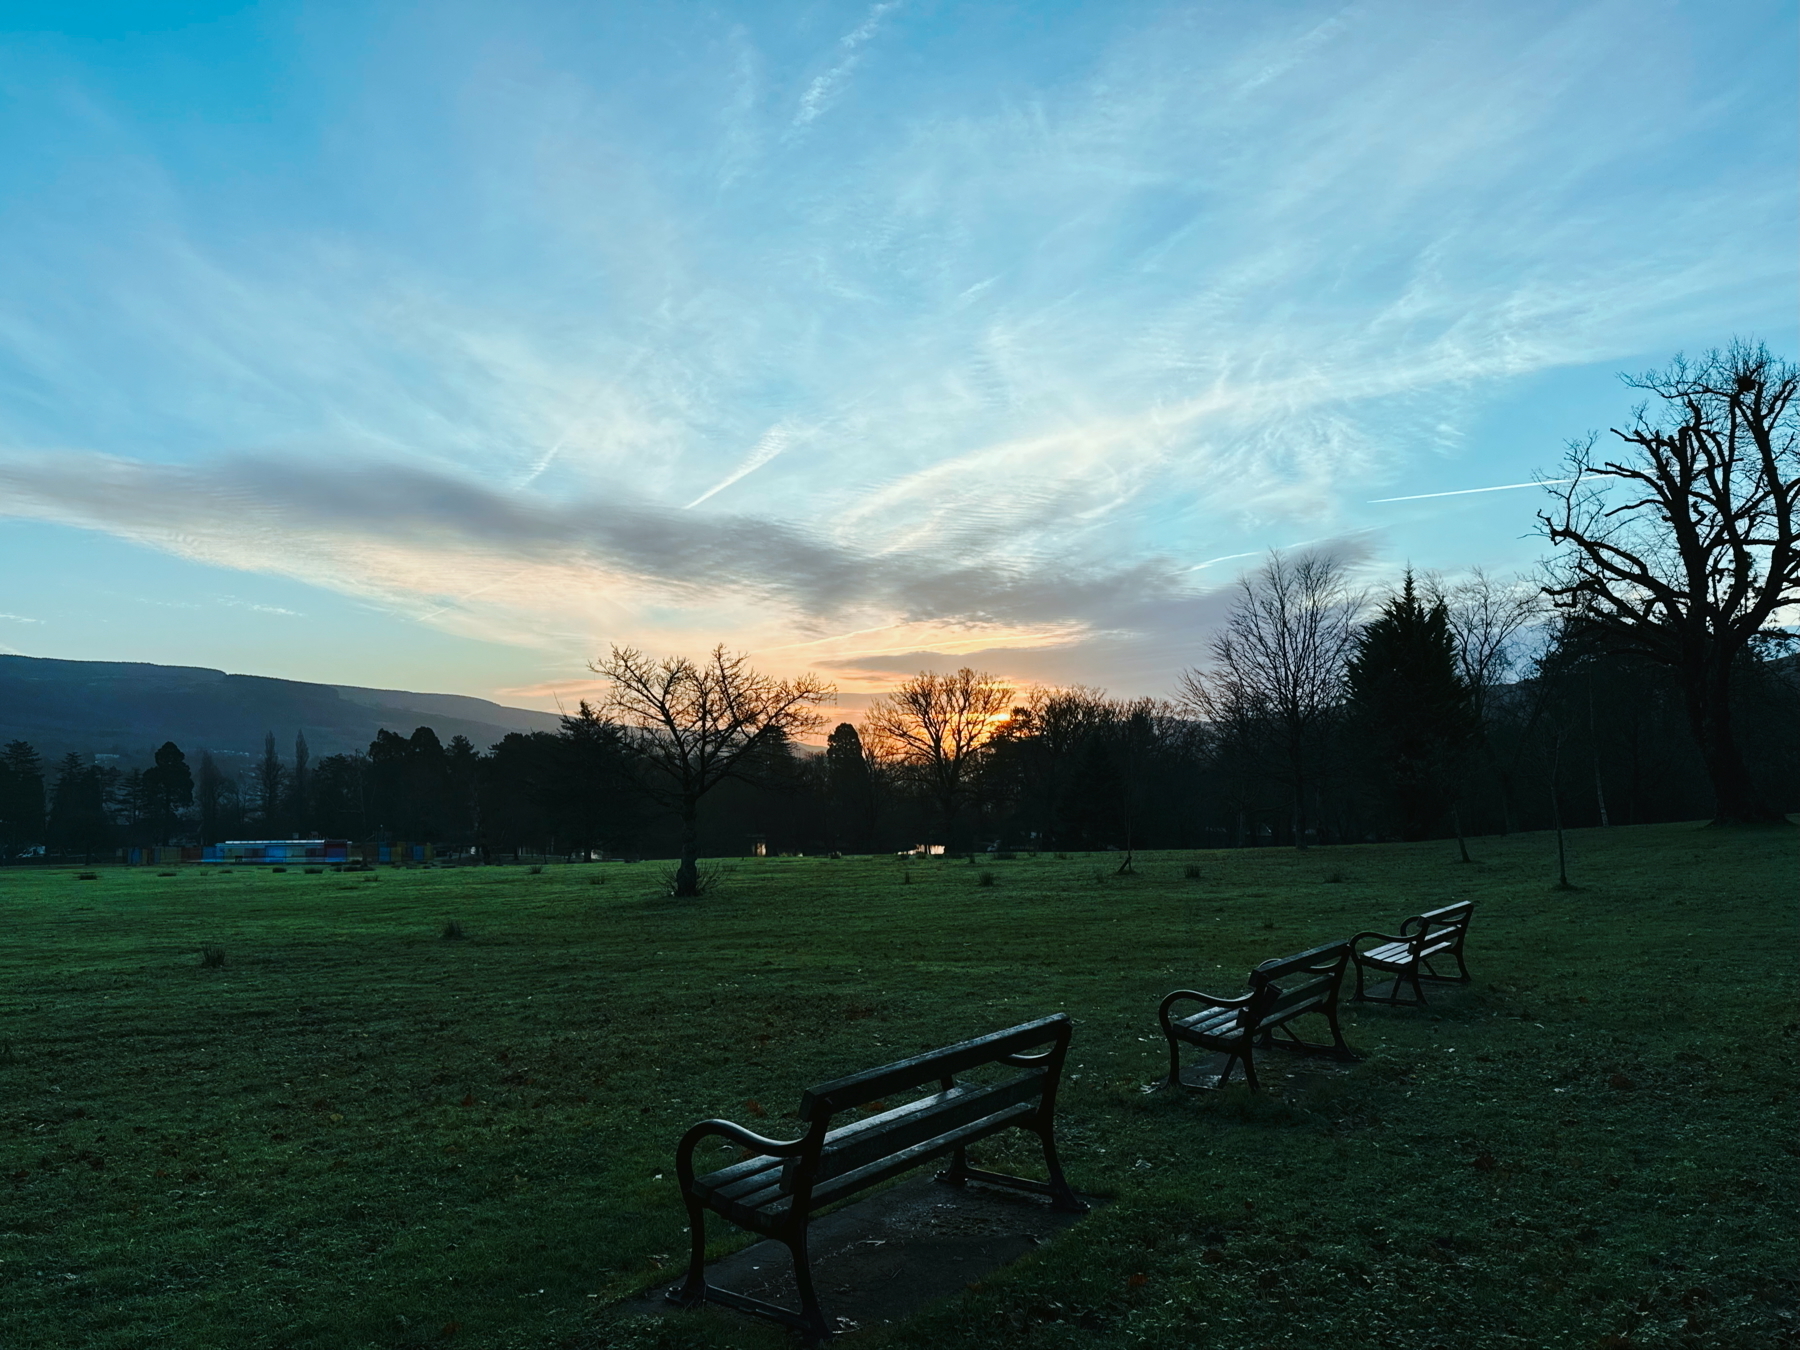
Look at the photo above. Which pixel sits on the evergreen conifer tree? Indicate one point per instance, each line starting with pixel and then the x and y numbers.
pixel 21 799
pixel 208 792
pixel 168 789
pixel 78 822
pixel 300 788
pixel 1414 710
pixel 850 790
pixel 271 779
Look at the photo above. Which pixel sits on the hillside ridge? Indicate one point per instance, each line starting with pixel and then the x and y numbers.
pixel 127 708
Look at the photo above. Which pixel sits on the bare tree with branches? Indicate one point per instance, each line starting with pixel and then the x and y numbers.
pixel 1488 618
pixel 934 725
pixel 693 724
pixel 1280 662
pixel 1684 549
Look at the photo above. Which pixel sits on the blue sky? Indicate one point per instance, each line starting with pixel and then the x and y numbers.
pixel 438 345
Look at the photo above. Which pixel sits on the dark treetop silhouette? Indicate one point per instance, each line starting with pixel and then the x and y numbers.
pixel 1683 549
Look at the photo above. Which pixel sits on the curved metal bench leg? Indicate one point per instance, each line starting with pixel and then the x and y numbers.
pixel 1392 998
pixel 1339 1044
pixel 1225 1073
pixel 1062 1195
pixel 815 1332
pixel 692 1292
pixel 1249 1071
pixel 957 1173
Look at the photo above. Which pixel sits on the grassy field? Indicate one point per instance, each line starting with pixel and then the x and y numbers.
pixel 358 1132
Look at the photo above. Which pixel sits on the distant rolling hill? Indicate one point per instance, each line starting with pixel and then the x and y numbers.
pixel 127 709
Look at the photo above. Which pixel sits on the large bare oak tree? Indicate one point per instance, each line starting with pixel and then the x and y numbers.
pixel 1488 617
pixel 1683 548
pixel 1279 663
pixel 693 724
pixel 934 726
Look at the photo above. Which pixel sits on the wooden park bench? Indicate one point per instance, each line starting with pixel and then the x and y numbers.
pixel 778 1189
pixel 1434 936
pixel 1281 991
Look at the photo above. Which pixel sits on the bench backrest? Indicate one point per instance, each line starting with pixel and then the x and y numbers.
pixel 915 1126
pixel 1008 1047
pixel 1446 924
pixel 1290 982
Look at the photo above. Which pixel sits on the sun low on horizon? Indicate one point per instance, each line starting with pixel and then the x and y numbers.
pixel 443 347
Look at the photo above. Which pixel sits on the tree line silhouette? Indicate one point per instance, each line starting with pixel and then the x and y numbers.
pixel 1617 688
pixel 1416 739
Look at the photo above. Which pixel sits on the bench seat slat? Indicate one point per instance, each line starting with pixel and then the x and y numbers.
pixel 851 1146
pixel 1400 953
pixel 752 1175
pixel 1388 954
pixel 724 1176
pixel 1293 1002
pixel 850 1182
pixel 757 1210
pixel 1212 1022
pixel 773 1200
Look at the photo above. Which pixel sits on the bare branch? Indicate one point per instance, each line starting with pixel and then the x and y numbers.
pixel 693 724
pixel 1279 661
pixel 1685 549
pixel 933 725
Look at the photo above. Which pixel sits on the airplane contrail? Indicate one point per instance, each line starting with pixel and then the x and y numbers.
pixel 1463 492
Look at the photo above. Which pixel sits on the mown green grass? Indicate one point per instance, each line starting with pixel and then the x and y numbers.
pixel 357 1132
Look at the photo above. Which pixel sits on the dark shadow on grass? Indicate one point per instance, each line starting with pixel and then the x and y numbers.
pixel 881 1259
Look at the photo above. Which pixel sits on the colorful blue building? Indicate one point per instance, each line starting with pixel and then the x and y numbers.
pixel 246 852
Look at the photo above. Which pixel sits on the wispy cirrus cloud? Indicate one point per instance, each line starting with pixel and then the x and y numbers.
pixel 575 335
pixel 825 88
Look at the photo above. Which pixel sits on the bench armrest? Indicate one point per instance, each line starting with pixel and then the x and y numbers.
pixel 1211 1001
pixel 684 1151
